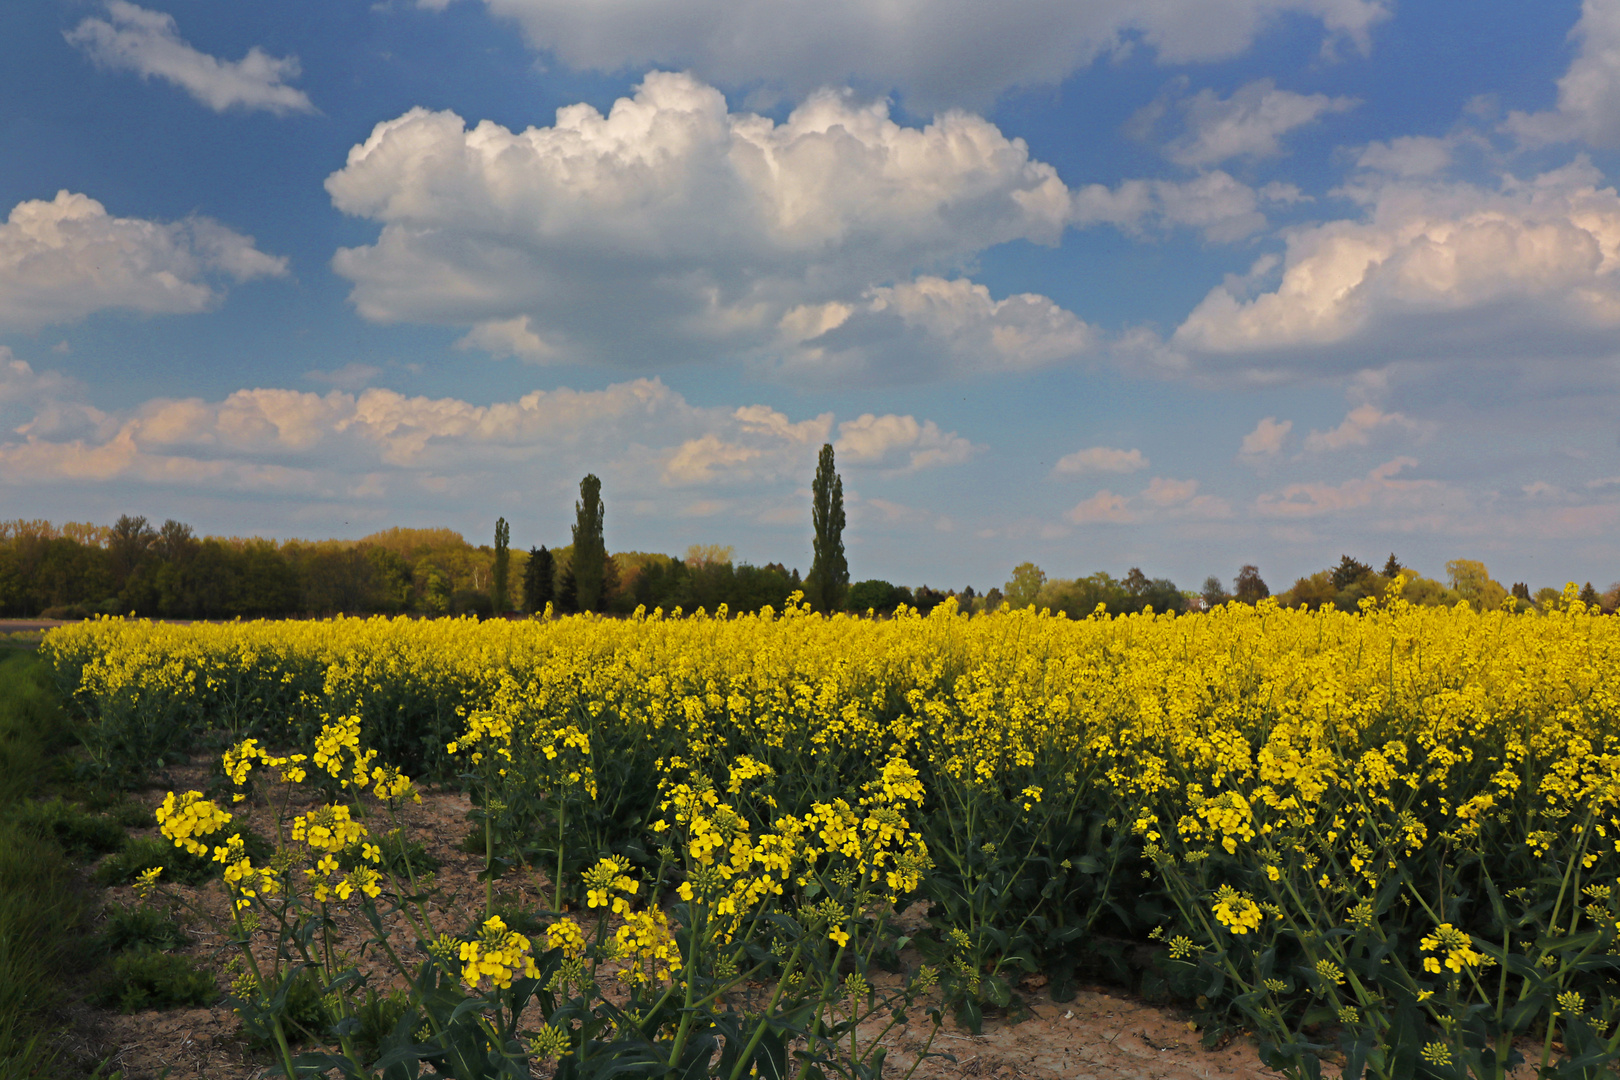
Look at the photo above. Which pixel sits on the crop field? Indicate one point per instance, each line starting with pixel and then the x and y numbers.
pixel 1388 840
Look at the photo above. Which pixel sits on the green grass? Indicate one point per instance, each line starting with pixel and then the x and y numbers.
pixel 42 906
pixel 81 835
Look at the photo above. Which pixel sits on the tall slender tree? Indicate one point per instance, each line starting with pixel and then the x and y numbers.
pixel 539 581
pixel 829 573
pixel 498 594
pixel 590 551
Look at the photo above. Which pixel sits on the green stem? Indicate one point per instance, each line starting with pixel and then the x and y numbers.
pixel 562 820
pixel 489 857
pixel 759 1032
pixel 691 982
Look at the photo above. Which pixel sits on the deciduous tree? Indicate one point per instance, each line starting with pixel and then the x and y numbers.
pixel 1249 587
pixel 1025 585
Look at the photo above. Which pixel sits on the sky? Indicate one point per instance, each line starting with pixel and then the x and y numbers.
pixel 1097 284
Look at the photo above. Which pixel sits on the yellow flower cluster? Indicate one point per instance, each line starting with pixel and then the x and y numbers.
pixel 608 877
pixel 1455 950
pixel 498 955
pixel 566 934
pixel 239 760
pixel 1236 911
pixel 184 818
pixel 336 739
pixel 328 828
pixel 646 947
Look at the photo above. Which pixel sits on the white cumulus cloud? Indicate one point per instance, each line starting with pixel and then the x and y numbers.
pixel 1249 124
pixel 133 38
pixel 937 52
pixel 1588 108
pixel 1105 459
pixel 1381 489
pixel 1222 207
pixel 1164 499
pixel 1435 269
pixel 63 259
pixel 673 229
pixel 925 328
pixel 1358 428
pixel 1266 440
pixel 1103 508
pixel 899 443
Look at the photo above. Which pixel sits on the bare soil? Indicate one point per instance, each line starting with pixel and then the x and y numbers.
pixel 1101 1032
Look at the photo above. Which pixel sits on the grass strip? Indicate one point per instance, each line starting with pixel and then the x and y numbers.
pixel 42 911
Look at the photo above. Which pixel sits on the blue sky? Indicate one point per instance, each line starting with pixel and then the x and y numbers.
pixel 1176 285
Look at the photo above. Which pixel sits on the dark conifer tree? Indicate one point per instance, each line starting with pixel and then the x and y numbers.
pixel 539 580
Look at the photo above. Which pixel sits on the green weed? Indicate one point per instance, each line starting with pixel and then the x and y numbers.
pixel 139 926
pixel 156 980
pixel 81 835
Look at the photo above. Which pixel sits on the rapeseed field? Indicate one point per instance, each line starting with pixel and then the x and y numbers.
pixel 1389 839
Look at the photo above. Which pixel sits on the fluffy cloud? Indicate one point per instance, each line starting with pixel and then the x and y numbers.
pixel 1221 207
pixel 508 337
pixel 1588 107
pixel 899 443
pixel 707 228
pixel 1103 508
pixel 1249 124
pixel 1163 499
pixel 1162 491
pixel 759 443
pixel 148 43
pixel 1532 264
pixel 1381 489
pixel 927 328
pixel 1358 427
pixel 1409 155
pixel 1266 440
pixel 63 259
pixel 659 454
pixel 1100 459
pixel 936 51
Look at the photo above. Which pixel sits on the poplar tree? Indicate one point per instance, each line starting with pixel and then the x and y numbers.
pixel 503 562
pixel 590 552
pixel 829 573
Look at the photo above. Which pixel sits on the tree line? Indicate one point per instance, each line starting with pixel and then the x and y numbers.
pixel 133 566
pixel 1344 586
